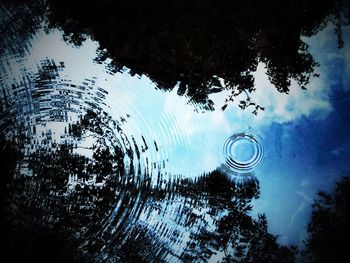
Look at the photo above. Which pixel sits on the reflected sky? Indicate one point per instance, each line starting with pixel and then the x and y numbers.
pixel 304 134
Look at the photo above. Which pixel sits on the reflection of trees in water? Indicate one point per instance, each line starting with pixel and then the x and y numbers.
pixel 19 21
pixel 45 205
pixel 240 237
pixel 197 43
pixel 329 228
pixel 45 211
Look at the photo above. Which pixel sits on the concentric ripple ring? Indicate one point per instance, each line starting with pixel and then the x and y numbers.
pixel 242 152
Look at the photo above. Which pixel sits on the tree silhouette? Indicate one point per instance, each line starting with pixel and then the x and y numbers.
pixel 60 205
pixel 241 237
pixel 196 44
pixel 67 223
pixel 329 229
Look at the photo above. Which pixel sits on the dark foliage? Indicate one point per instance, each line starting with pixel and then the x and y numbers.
pixel 241 237
pixel 46 222
pixel 49 219
pixel 19 242
pixel 196 43
pixel 329 229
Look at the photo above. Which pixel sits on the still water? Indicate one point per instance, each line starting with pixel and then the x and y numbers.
pixel 122 166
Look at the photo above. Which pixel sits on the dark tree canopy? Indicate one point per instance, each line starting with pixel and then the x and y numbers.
pixel 197 43
pixel 44 222
pixel 241 237
pixel 50 219
pixel 193 44
pixel 329 229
